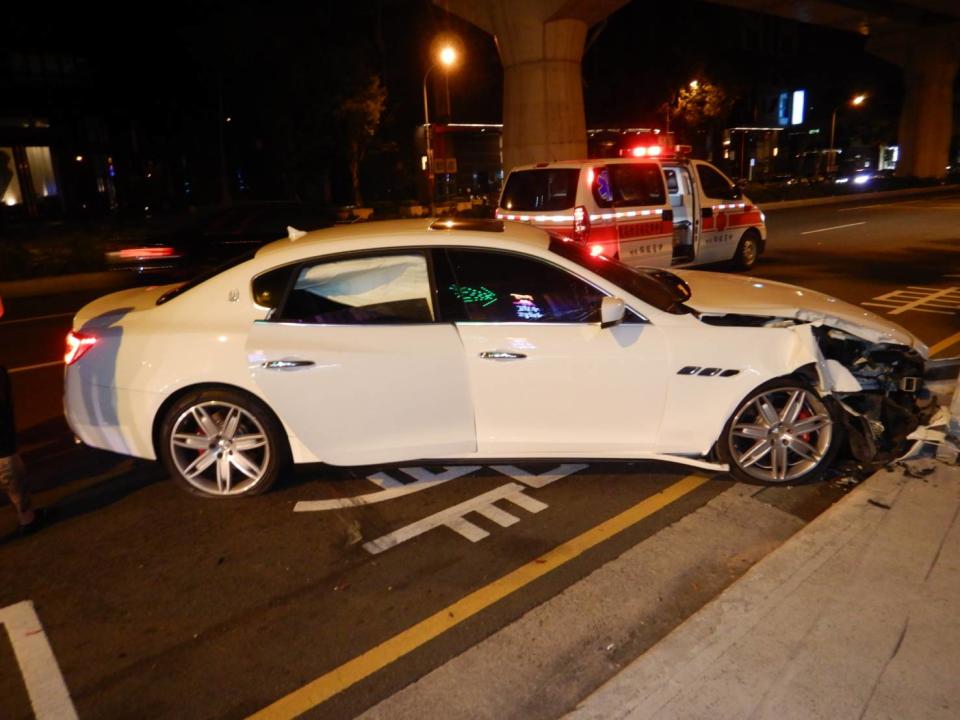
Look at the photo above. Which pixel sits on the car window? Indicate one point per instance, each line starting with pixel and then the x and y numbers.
pixel 714 184
pixel 637 184
pixel 541 189
pixel 602 192
pixel 490 286
pixel 362 291
pixel 269 287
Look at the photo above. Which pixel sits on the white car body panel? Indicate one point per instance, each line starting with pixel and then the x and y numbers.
pixel 557 398
pixel 381 393
pixel 401 393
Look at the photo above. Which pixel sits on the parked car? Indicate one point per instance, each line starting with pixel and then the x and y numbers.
pixel 216 236
pixel 474 340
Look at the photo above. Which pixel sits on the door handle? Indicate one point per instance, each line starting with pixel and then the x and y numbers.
pixel 501 355
pixel 287 364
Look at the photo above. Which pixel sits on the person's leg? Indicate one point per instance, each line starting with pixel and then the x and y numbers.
pixel 12 474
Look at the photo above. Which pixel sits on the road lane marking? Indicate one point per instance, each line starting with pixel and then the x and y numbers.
pixel 940 301
pixel 48 693
pixel 424 480
pixel 453 518
pixel 945 343
pixel 38 366
pixel 392 488
pixel 340 678
pixel 835 227
pixel 4 323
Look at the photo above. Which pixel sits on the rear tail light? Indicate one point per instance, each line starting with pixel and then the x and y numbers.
pixel 78 344
pixel 581 224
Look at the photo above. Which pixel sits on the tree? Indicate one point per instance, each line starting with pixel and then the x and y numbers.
pixel 697 104
pixel 359 117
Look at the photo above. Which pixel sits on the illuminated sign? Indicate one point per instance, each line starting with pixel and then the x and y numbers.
pixel 796 112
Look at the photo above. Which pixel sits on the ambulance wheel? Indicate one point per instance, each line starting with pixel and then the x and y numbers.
pixel 747 251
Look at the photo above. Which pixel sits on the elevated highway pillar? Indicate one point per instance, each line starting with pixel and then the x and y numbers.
pixel 930 59
pixel 541 44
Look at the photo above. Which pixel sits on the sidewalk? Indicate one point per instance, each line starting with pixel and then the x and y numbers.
pixel 856 616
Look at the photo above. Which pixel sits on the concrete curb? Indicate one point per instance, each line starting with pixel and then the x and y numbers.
pixel 857 197
pixel 810 627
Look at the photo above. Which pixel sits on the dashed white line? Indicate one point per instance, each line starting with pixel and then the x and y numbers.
pixel 48 692
pixel 835 227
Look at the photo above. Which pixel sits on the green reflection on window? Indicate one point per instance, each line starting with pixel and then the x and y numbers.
pixel 470 295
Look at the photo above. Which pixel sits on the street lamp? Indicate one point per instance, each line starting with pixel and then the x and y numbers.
pixel 446 57
pixel 855 101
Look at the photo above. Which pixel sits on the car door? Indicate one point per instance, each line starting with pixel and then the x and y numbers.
pixel 644 218
pixel 718 201
pixel 545 377
pixel 355 364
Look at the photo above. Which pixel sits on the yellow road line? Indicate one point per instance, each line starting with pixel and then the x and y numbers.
pixel 377 658
pixel 945 343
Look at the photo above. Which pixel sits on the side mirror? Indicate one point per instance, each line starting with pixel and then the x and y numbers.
pixel 612 310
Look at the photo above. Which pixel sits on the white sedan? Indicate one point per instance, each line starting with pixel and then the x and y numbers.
pixel 401 341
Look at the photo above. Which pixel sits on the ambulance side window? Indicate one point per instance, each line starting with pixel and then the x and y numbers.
pixel 602 192
pixel 714 184
pixel 637 184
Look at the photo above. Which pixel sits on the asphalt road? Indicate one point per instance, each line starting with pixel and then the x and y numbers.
pixel 159 604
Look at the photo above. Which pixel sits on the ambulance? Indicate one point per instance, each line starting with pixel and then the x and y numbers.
pixel 653 207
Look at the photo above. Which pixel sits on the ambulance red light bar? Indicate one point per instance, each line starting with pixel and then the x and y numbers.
pixel 646 151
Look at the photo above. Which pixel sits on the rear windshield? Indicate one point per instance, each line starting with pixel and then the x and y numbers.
pixel 203 277
pixel 541 189
pixel 660 288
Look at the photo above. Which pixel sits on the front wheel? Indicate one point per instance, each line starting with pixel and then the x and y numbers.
pixel 783 432
pixel 222 443
pixel 748 251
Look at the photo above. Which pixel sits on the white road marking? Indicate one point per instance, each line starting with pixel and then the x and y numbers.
pixel 4 323
pixel 835 227
pixel 423 480
pixel 38 366
pixel 939 301
pixel 453 518
pixel 538 481
pixel 48 692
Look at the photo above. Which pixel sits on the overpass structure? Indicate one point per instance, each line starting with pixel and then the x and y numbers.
pixel 541 44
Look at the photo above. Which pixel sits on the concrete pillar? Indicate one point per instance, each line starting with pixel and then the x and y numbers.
pixel 930 59
pixel 541 45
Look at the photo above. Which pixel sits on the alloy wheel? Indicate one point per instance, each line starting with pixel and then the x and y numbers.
pixel 781 435
pixel 219 448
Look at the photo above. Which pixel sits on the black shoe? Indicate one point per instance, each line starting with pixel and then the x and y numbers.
pixel 41 517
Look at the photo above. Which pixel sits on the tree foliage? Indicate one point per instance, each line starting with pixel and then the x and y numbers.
pixel 358 117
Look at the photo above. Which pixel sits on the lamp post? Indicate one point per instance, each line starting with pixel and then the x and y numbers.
pixel 447 57
pixel 855 101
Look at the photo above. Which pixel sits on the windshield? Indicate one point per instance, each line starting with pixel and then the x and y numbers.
pixel 540 190
pixel 659 288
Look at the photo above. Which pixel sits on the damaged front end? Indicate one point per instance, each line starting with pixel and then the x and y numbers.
pixel 879 387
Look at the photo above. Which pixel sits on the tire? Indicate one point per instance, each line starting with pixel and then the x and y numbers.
pixel 220 443
pixel 771 414
pixel 748 251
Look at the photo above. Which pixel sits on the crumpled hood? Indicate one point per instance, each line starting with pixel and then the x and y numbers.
pixel 106 310
pixel 720 294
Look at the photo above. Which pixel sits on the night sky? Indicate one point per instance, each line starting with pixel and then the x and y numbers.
pixel 161 72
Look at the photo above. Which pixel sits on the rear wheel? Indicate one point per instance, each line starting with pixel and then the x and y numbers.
pixel 783 432
pixel 222 443
pixel 748 251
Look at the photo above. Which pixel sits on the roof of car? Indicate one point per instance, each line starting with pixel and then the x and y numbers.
pixel 393 233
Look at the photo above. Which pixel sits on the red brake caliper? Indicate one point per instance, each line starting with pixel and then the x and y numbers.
pixel 804 414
